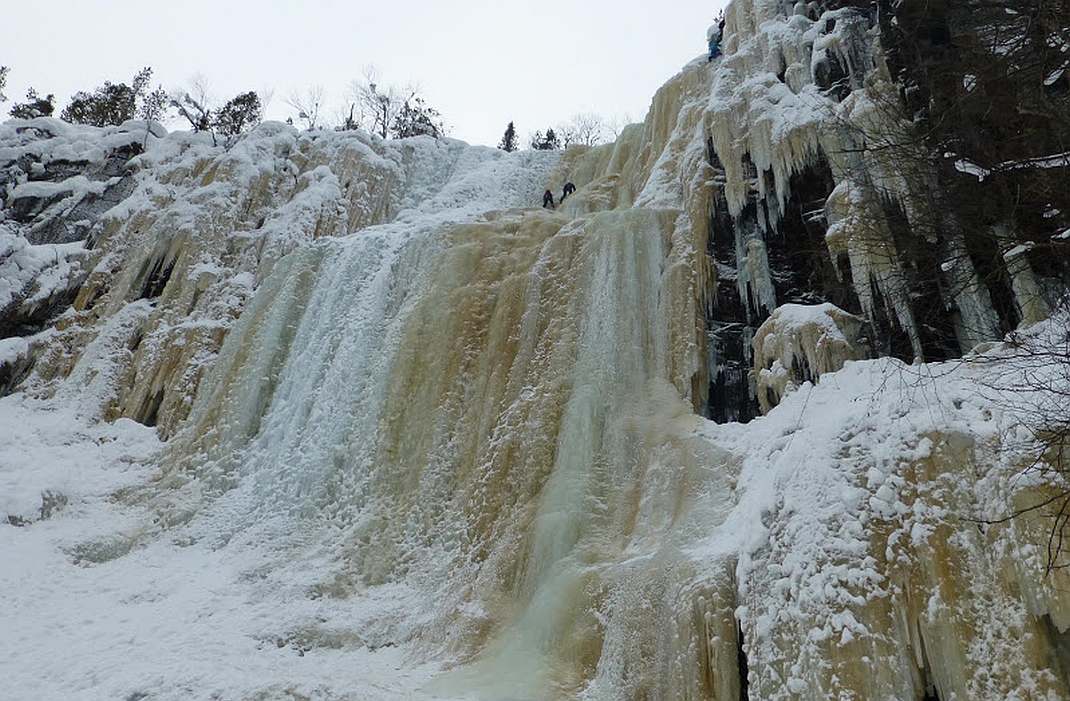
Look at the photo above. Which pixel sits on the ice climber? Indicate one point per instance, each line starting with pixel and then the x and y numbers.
pixel 569 189
pixel 548 200
pixel 713 36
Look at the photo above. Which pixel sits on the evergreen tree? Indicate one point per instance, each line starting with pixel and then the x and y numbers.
pixel 239 115
pixel 509 141
pixel 35 106
pixel 417 118
pixel 155 105
pixel 552 142
pixel 114 103
pixel 549 142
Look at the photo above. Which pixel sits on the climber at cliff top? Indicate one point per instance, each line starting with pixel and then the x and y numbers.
pixel 713 36
pixel 548 200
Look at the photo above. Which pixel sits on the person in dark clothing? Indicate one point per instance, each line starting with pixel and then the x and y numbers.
pixel 714 36
pixel 548 200
pixel 569 189
pixel 715 43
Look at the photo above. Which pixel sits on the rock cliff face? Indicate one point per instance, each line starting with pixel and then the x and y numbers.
pixel 517 436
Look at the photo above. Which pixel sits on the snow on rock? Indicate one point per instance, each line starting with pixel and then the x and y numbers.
pixel 35 280
pixel 15 363
pixel 855 575
pixel 799 344
pixel 58 178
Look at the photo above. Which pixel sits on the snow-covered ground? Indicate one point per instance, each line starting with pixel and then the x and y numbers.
pixel 170 620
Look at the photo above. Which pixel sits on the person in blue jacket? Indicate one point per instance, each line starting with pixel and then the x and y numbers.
pixel 713 36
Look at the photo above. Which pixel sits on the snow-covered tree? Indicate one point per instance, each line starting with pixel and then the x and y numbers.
pixel 193 104
pixel 4 70
pixel 417 118
pixel 509 142
pixel 35 106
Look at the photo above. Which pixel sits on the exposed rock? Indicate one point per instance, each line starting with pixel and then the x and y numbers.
pixel 58 178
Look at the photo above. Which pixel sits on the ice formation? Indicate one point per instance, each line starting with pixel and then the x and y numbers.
pixel 799 344
pixel 409 418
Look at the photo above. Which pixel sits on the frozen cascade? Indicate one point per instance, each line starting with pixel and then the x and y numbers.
pixel 415 487
pixel 427 416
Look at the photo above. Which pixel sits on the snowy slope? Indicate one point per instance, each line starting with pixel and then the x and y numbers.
pixel 172 620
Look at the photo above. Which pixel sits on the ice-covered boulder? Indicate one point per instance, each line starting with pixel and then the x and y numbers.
pixel 800 343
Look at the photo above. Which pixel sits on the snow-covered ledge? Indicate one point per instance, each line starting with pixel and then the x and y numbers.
pixel 800 343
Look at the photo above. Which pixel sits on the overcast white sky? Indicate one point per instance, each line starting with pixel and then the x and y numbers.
pixel 480 62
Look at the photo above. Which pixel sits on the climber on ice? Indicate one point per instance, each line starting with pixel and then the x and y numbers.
pixel 569 189
pixel 713 36
pixel 548 200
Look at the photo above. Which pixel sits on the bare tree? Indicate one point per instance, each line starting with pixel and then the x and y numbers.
pixel 308 105
pixel 353 113
pixel 615 125
pixel 584 129
pixel 266 95
pixel 1030 381
pixel 957 184
pixel 4 70
pixel 193 104
pixel 376 106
